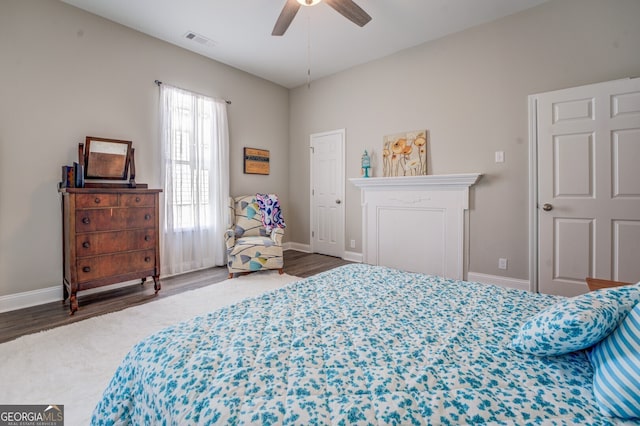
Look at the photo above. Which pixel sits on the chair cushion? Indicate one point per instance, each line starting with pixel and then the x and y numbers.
pixel 245 244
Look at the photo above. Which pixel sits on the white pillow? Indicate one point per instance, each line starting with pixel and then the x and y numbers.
pixel 616 365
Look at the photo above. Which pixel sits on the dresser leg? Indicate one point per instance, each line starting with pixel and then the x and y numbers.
pixel 73 304
pixel 156 283
pixel 144 280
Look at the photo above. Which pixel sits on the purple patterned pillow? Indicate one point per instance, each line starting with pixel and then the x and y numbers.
pixel 270 209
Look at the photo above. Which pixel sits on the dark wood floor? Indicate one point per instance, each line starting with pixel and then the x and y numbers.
pixel 42 317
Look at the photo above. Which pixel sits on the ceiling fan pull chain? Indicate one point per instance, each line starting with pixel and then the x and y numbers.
pixel 308 52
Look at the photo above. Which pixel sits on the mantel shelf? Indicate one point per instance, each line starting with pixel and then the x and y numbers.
pixel 463 180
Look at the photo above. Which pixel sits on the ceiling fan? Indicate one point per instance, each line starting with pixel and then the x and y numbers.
pixel 346 8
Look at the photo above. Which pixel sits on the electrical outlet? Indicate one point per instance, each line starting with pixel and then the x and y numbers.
pixel 502 263
pixel 353 243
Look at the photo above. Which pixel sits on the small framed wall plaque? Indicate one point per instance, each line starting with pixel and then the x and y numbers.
pixel 256 161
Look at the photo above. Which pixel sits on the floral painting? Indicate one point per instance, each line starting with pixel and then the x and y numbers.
pixel 405 154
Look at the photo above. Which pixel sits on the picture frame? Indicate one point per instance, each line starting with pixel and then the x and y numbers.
pixel 405 154
pixel 256 161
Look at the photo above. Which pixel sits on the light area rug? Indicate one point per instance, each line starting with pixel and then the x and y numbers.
pixel 73 364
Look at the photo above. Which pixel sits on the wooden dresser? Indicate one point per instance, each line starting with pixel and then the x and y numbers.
pixel 599 284
pixel 110 235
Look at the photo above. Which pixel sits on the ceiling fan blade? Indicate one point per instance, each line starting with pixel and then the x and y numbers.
pixel 350 10
pixel 286 16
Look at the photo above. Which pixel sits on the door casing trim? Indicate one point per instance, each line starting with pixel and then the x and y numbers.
pixel 533 192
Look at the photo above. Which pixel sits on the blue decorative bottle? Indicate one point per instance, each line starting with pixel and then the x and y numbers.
pixel 366 164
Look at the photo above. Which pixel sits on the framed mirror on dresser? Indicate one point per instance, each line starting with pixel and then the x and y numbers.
pixel 110 224
pixel 106 158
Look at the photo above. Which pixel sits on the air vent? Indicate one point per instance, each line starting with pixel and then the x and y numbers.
pixel 190 35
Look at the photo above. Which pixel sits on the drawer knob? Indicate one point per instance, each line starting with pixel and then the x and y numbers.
pixel 86 269
pixel 86 220
pixel 86 244
pixel 137 199
pixel 147 216
pixel 147 238
pixel 147 259
pixel 97 200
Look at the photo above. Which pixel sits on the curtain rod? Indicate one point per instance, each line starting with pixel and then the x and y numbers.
pixel 158 82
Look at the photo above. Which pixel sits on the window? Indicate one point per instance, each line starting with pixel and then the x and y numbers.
pixel 189 159
pixel 195 174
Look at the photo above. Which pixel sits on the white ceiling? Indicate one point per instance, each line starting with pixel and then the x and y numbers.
pixel 318 39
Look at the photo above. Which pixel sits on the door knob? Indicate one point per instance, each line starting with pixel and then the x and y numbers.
pixel 547 207
pixel 338 201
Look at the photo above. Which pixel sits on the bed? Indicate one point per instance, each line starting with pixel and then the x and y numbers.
pixel 356 345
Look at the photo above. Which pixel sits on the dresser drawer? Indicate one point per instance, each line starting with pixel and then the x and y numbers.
pixel 92 268
pixel 92 244
pixel 137 200
pixel 84 201
pixel 90 220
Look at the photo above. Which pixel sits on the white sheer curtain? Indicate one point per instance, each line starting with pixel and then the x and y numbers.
pixel 195 171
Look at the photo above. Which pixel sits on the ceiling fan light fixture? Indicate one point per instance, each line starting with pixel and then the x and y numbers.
pixel 309 2
pixel 347 8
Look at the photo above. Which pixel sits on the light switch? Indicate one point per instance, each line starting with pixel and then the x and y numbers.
pixel 499 156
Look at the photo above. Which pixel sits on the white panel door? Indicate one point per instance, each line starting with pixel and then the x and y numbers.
pixel 327 193
pixel 588 185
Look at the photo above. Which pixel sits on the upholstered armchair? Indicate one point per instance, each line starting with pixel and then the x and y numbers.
pixel 252 246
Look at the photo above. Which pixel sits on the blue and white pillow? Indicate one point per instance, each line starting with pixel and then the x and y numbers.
pixel 628 296
pixel 616 365
pixel 571 325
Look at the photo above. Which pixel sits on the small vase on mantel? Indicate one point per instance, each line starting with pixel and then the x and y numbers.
pixel 366 164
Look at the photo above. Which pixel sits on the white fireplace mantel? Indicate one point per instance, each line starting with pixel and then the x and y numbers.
pixel 462 180
pixel 416 223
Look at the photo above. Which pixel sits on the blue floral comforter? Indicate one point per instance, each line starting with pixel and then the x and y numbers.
pixel 355 345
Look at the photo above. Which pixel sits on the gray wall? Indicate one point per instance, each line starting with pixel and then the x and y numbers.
pixel 67 74
pixel 470 91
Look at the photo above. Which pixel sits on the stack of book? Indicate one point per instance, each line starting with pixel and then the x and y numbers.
pixel 72 176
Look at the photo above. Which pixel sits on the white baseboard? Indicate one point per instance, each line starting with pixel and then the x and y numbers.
pixel 305 248
pixel 352 256
pixel 497 280
pixel 28 299
pixel 12 302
